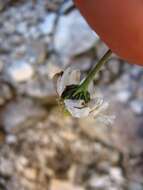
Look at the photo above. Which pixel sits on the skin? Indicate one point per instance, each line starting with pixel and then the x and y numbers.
pixel 118 23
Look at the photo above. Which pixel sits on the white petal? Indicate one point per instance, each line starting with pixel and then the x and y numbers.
pixel 60 88
pixel 76 108
pixel 62 81
pixel 69 77
pixel 100 109
pixel 74 77
pixel 91 90
pixel 75 103
pixel 95 103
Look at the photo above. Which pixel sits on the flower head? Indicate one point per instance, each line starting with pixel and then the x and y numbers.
pixel 78 101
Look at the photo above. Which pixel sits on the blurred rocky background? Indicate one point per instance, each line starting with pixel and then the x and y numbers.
pixel 41 148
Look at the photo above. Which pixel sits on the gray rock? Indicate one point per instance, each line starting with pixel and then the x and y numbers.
pixel 135 186
pixel 11 139
pixel 5 93
pixel 116 175
pixel 66 185
pixel 47 26
pixel 22 28
pixel 114 66
pixel 99 182
pixel 124 96
pixel 33 32
pixel 9 27
pixel 21 114
pixel 6 167
pixel 42 90
pixel 136 72
pixel 20 71
pixel 36 52
pixel 137 106
pixel 105 182
pixel 73 35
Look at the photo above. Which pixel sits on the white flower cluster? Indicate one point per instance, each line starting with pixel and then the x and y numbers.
pixel 96 107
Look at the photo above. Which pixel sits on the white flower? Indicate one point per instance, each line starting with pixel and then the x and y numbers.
pixel 96 107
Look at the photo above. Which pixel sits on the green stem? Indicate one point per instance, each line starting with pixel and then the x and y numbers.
pixel 95 70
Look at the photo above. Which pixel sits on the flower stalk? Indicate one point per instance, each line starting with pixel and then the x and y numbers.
pixel 80 92
pixel 94 71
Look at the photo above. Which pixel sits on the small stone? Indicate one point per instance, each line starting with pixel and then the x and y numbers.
pixel 137 106
pixel 136 72
pixel 22 162
pixel 6 167
pixel 135 186
pixel 33 32
pixel 22 28
pixel 5 94
pixel 63 185
pixel 72 173
pixel 99 182
pixel 114 66
pixel 20 71
pixel 30 173
pixel 36 52
pixel 47 26
pixel 9 27
pixel 11 139
pixel 124 96
pixel 116 175
pixel 68 136
pixel 103 166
